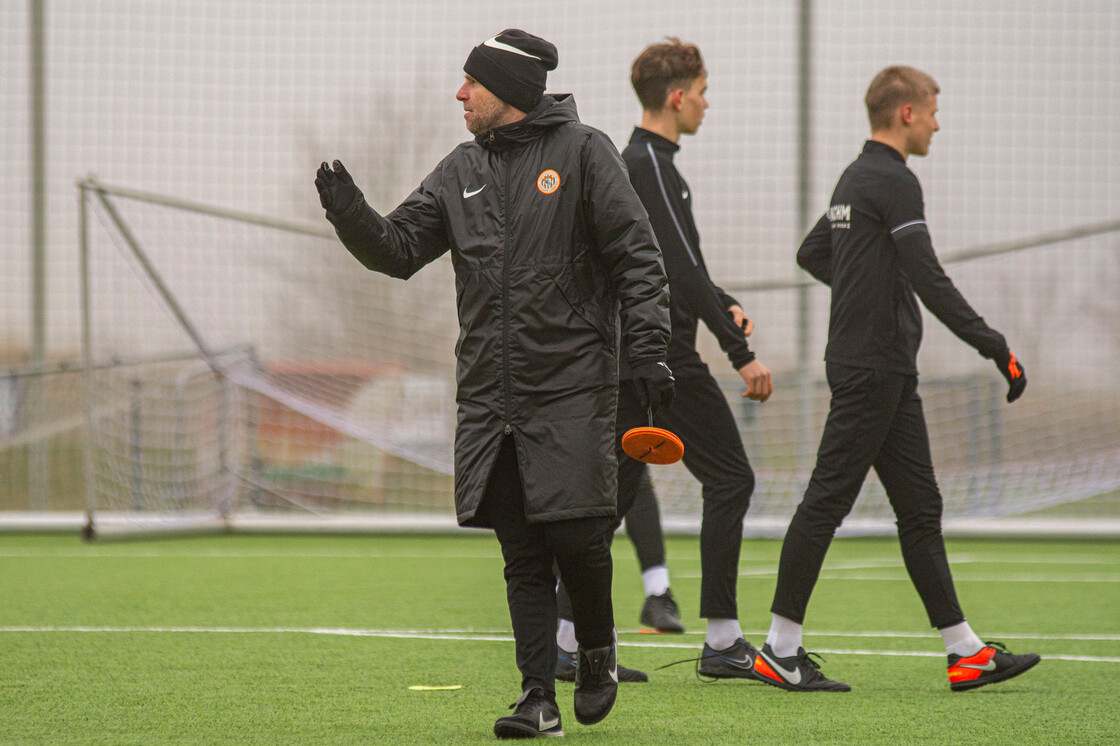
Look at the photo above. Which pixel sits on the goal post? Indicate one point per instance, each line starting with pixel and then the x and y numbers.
pixel 318 396
pixel 309 403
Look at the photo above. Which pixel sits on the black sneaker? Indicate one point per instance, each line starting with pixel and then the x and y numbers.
pixel 566 669
pixel 993 663
pixel 661 614
pixel 596 683
pixel 734 662
pixel 535 715
pixel 797 673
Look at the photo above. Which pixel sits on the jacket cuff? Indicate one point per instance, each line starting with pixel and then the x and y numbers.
pixel 349 212
pixel 647 361
pixel 742 359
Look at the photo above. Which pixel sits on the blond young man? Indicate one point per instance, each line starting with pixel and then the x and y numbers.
pixel 873 249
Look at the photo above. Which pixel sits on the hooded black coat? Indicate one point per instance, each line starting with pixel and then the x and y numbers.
pixel 551 247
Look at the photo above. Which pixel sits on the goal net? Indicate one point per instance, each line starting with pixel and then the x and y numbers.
pixel 265 374
pixel 247 373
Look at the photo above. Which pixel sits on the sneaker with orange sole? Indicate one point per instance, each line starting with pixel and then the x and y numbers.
pixel 797 673
pixel 993 663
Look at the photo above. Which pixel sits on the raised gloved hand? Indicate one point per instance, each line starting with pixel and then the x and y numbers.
pixel 654 382
pixel 337 191
pixel 1016 377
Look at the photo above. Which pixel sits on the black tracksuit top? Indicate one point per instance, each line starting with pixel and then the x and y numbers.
pixel 668 200
pixel 873 248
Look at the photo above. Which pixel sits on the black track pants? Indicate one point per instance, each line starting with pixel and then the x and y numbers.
pixel 875 420
pixel 713 452
pixel 643 526
pixel 580 548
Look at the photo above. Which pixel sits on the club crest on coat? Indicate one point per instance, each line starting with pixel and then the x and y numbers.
pixel 548 182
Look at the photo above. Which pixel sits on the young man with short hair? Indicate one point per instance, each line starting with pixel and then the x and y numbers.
pixel 670 81
pixel 553 254
pixel 873 249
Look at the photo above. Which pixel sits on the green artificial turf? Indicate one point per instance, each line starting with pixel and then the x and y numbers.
pixel 315 640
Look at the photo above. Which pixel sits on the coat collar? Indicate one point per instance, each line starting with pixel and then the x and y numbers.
pixel 552 111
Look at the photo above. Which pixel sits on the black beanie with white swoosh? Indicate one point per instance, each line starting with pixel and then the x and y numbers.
pixel 513 66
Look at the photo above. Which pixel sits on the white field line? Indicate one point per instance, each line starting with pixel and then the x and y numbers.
pixel 769 564
pixel 761 634
pixel 836 571
pixel 504 634
pixel 9 553
pixel 466 636
pixel 974 578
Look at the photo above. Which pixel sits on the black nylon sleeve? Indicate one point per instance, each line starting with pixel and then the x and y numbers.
pixel 629 250
pixel 402 242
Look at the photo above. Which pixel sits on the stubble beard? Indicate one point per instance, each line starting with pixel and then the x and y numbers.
pixel 483 121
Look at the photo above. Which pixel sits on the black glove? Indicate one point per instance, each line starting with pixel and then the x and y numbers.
pixel 336 189
pixel 1012 370
pixel 654 382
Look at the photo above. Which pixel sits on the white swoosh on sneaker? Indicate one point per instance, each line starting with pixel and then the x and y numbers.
pixel 792 677
pixel 468 195
pixel 614 673
pixel 546 724
pixel 989 666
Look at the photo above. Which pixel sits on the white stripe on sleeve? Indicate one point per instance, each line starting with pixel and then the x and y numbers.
pixel 907 225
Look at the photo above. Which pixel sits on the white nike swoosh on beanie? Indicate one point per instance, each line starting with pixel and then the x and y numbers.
pixel 495 44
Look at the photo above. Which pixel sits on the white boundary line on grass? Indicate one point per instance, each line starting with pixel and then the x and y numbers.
pixel 501 634
pixel 826 575
pixel 768 569
pixel 470 637
pixel 839 571
pixel 125 554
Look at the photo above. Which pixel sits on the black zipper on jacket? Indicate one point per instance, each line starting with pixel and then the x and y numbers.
pixel 506 243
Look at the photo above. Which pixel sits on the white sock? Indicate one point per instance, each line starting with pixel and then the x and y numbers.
pixel 656 580
pixel 784 637
pixel 961 640
pixel 566 636
pixel 722 633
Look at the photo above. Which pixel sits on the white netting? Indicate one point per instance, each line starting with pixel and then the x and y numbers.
pixel 336 392
pixel 235 104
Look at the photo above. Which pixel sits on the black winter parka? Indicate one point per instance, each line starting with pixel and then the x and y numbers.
pixel 551 247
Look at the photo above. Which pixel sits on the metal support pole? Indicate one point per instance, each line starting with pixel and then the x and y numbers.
pixel 154 277
pixel 89 442
pixel 36 400
pixel 136 439
pixel 226 501
pixel 804 175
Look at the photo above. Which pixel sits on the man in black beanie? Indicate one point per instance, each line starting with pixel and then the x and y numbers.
pixel 553 252
pixel 513 66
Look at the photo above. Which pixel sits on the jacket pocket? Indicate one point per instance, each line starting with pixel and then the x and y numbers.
pixel 584 302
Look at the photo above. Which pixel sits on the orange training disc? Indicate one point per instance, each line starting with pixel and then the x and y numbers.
pixel 652 445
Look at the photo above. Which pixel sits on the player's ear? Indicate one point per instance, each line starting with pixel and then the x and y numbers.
pixel 675 98
pixel 906 113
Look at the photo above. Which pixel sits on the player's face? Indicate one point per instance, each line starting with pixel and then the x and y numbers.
pixel 923 124
pixel 693 105
pixel 483 111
